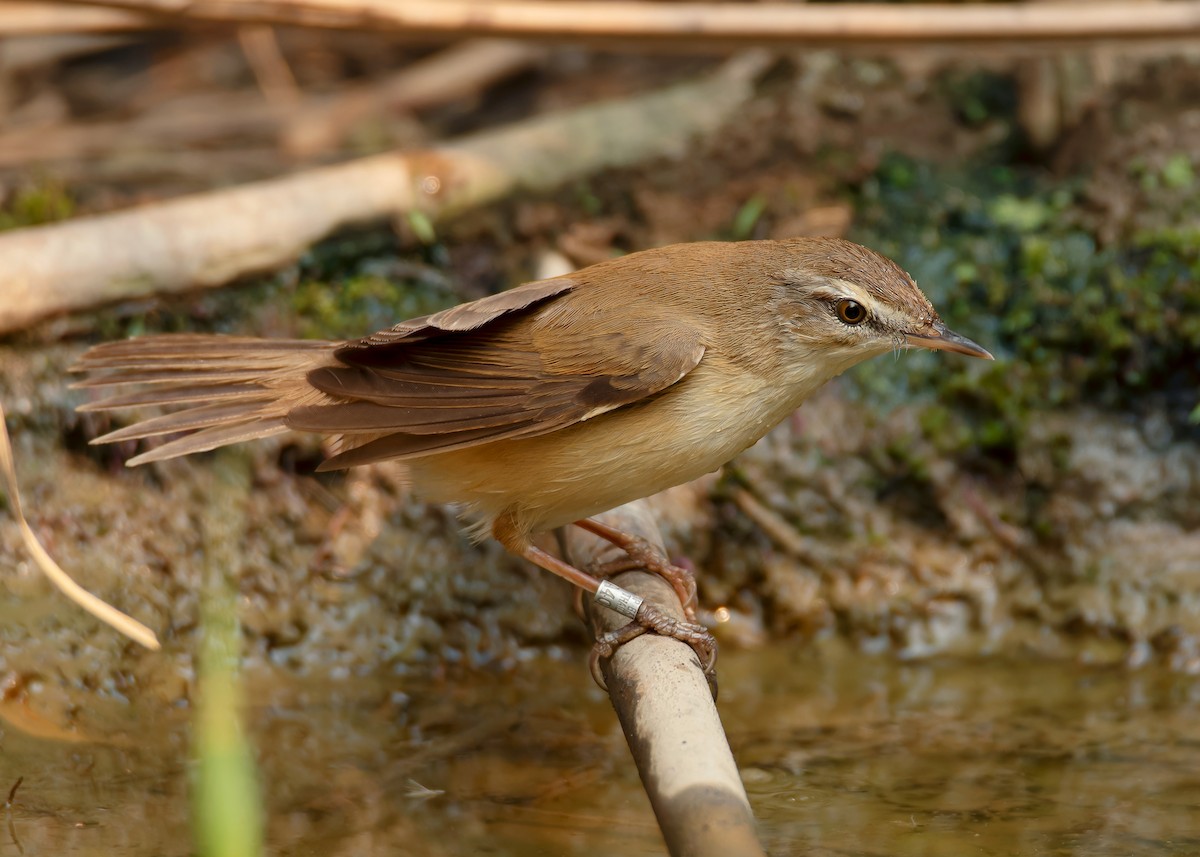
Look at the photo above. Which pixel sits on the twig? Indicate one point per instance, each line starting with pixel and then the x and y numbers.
pixel 311 126
pixel 459 71
pixel 211 238
pixel 48 19
pixel 261 48
pixel 12 832
pixel 12 793
pixel 739 23
pixel 1015 540
pixel 772 523
pixel 99 608
pixel 668 715
pixel 188 121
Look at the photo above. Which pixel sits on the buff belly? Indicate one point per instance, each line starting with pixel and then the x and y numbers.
pixel 591 467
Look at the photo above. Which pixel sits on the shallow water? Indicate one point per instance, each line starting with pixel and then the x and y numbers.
pixel 843 754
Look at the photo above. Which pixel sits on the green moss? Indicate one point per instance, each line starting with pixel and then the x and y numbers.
pixel 343 288
pixel 979 96
pixel 35 204
pixel 1177 173
pixel 359 304
pixel 1007 263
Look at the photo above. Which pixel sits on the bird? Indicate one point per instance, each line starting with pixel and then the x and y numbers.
pixel 547 404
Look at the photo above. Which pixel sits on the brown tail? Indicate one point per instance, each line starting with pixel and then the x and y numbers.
pixel 233 388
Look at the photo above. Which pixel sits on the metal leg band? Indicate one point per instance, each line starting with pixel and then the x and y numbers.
pixel 621 600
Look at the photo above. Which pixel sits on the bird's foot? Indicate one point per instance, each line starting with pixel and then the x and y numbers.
pixel 645 616
pixel 651 618
pixel 642 555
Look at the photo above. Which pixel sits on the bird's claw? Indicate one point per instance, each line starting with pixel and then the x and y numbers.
pixel 651 618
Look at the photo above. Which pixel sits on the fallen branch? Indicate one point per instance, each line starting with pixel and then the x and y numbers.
pixel 711 23
pixel 212 238
pixel 668 714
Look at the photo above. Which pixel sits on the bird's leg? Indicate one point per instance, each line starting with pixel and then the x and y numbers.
pixel 644 616
pixel 640 554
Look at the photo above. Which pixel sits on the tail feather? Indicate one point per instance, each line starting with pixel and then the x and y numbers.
pixel 171 376
pixel 142 348
pixel 211 438
pixel 173 396
pixel 232 388
pixel 191 419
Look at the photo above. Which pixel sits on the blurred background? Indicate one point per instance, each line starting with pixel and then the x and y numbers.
pixel 959 603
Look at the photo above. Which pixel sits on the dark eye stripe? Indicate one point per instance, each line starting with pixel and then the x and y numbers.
pixel 851 312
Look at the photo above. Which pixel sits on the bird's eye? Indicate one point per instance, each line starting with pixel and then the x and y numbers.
pixel 851 312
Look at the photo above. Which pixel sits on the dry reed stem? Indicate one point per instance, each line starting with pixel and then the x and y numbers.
pixel 758 23
pixel 99 608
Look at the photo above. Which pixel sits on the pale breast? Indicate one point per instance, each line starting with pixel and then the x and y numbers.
pixel 688 430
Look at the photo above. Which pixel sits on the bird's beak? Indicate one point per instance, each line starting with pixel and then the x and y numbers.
pixel 938 337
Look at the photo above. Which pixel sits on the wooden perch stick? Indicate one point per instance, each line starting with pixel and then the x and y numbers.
pixel 668 715
pixel 212 238
pixel 759 23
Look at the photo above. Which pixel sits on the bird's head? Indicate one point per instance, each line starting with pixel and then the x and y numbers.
pixel 841 303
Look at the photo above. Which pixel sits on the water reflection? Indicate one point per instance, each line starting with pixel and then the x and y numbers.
pixel 843 754
pixel 987 757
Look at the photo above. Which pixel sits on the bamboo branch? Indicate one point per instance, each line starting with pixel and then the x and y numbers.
pixel 770 23
pixel 668 714
pixel 212 238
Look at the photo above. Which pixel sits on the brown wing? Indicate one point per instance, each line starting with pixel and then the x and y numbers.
pixel 526 362
pixel 462 317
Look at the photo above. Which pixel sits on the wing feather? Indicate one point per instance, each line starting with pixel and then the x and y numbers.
pixel 456 319
pixel 520 374
pixel 529 361
pixel 399 446
pixel 177 396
